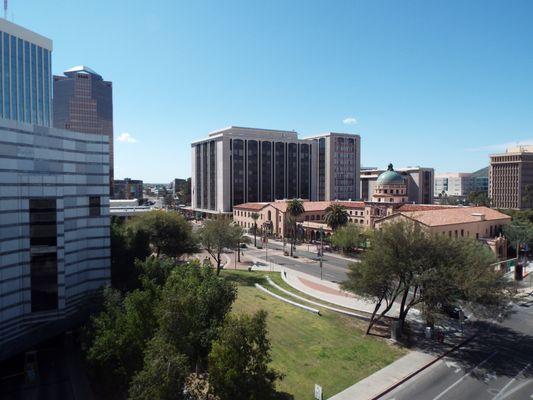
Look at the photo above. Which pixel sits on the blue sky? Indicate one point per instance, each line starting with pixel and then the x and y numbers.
pixel 434 83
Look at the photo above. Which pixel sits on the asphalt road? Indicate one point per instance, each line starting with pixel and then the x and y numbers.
pixel 333 269
pixel 497 365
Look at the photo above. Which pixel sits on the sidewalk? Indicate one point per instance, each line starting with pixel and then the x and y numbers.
pixel 330 292
pixel 379 381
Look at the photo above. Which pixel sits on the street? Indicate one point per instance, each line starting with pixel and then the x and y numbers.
pixel 497 365
pixel 333 269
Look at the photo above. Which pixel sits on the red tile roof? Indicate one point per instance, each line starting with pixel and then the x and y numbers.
pixel 310 206
pixel 251 206
pixel 422 207
pixel 456 215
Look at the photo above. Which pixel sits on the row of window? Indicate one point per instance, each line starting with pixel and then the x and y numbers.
pixel 25 84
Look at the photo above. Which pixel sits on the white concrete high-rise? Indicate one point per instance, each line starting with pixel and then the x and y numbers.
pixel 54 203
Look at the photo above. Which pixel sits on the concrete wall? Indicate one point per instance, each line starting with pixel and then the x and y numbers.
pixel 38 162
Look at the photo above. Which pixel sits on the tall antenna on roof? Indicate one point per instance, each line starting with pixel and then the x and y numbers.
pixel 5 9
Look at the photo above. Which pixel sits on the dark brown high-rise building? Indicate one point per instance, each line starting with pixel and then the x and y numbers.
pixel 83 102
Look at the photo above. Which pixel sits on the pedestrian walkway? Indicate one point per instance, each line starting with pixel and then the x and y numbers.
pixel 381 380
pixel 330 292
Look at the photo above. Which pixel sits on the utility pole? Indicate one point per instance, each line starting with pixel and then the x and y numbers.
pixel 321 250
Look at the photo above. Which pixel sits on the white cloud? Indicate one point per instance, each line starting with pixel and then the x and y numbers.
pixel 349 121
pixel 500 147
pixel 126 138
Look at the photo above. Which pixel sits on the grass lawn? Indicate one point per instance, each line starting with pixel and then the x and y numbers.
pixel 330 350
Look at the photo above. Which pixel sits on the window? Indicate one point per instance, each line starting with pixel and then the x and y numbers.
pixel 94 206
pixel 43 254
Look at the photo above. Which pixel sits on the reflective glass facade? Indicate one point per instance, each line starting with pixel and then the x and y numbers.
pixel 25 81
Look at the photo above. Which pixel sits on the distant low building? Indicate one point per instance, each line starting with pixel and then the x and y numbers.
pixel 128 189
pixel 461 184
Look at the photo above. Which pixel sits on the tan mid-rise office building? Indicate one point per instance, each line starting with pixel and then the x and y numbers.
pixel 510 174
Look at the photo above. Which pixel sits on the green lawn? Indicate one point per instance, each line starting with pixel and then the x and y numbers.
pixel 330 350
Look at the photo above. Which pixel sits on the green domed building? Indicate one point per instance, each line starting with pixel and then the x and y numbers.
pixel 391 187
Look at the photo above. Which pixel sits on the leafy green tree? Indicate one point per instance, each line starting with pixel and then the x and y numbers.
pixel 193 305
pixel 197 387
pixel 479 199
pixel 519 232
pixel 156 270
pixel 169 233
pixel 408 265
pixel 255 217
pixel 527 198
pixel 348 237
pixel 126 247
pixel 239 360
pixel 336 216
pixel 116 337
pixel 220 234
pixel 295 208
pixel 163 374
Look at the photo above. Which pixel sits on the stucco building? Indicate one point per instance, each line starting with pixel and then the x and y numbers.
pixel 389 204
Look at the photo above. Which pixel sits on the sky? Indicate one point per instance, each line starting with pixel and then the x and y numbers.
pixel 440 84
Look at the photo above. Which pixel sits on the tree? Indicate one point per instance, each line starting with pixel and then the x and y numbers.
pixel 295 208
pixel 348 237
pixel 194 303
pixel 169 200
pixel 528 196
pixel 479 199
pixel 336 216
pixel 126 246
pixel 411 266
pixel 169 233
pixel 519 232
pixel 163 373
pixel 239 360
pixel 255 217
pixel 197 387
pixel 218 235
pixel 116 337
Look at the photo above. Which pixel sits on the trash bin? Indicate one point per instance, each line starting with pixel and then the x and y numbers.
pixel 429 332
pixel 395 332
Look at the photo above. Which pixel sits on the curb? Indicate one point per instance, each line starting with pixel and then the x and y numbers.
pixel 429 364
pixel 345 312
pixel 304 307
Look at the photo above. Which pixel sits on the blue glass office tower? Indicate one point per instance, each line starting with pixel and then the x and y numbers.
pixel 25 71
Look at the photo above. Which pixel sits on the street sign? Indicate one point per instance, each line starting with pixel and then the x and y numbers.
pixel 318 392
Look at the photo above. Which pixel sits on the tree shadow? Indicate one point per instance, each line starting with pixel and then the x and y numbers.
pixel 501 350
pixel 245 278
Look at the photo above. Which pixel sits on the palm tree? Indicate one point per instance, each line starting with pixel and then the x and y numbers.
pixel 336 216
pixel 255 217
pixel 295 208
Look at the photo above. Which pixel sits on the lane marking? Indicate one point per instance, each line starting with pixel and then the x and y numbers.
pixel 501 392
pixel 453 365
pixel 464 376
